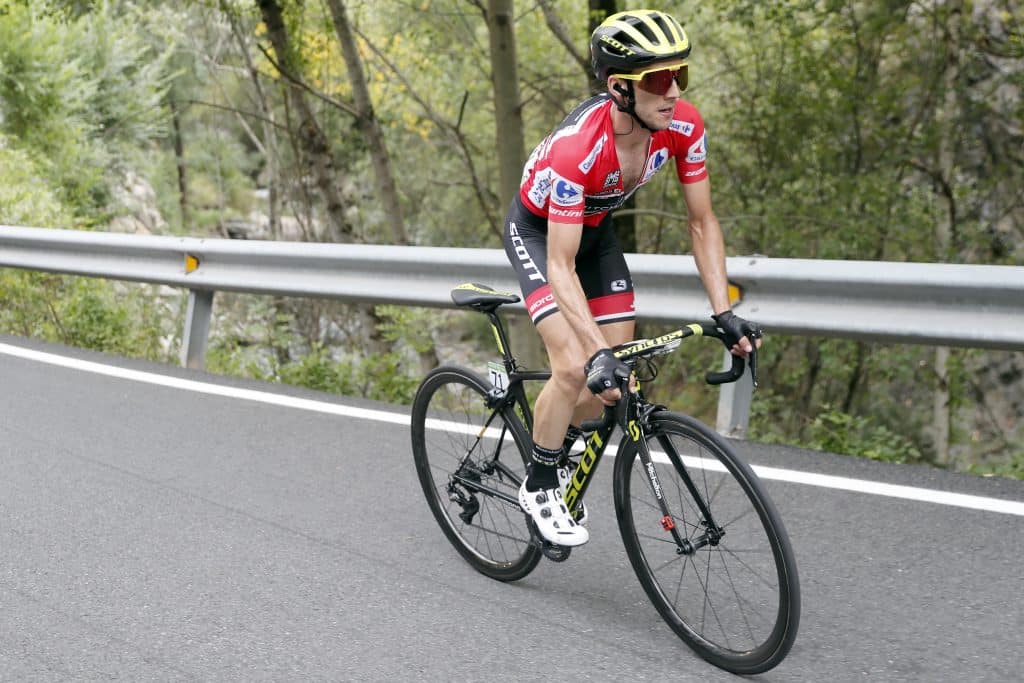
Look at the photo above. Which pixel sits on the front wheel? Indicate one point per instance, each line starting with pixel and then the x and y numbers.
pixel 719 567
pixel 471 459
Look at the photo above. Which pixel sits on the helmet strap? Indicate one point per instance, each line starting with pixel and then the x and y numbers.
pixel 628 103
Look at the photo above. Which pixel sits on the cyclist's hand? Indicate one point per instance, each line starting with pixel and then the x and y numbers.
pixel 741 336
pixel 604 374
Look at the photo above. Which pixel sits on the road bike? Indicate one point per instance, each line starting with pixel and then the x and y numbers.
pixel 701 533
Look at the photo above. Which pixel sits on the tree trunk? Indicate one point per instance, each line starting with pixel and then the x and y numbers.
pixel 507 106
pixel 269 134
pixel 599 10
pixel 368 123
pixel 179 157
pixel 856 375
pixel 318 159
pixel 624 224
pixel 948 124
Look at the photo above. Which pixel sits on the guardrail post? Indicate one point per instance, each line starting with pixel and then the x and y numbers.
pixel 734 404
pixel 197 328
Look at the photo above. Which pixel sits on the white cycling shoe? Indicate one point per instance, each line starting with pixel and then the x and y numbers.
pixel 564 477
pixel 549 513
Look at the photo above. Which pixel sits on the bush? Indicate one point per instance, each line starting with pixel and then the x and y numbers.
pixel 91 314
pixel 25 195
pixel 838 432
pixel 317 370
pixel 382 379
pixel 1012 467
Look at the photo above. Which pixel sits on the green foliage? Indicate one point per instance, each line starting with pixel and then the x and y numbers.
pixel 317 370
pixel 1013 467
pixel 230 357
pixel 833 431
pixel 383 378
pixel 838 432
pixel 268 347
pixel 25 198
pixel 413 327
pixel 377 377
pixel 75 91
pixel 78 311
pixel 82 312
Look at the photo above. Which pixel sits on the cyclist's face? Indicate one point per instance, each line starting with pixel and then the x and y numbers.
pixel 656 93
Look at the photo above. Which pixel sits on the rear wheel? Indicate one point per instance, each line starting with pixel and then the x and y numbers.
pixel 729 588
pixel 471 460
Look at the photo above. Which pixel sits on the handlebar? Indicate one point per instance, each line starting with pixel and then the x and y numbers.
pixel 730 375
pixel 642 348
pixel 646 348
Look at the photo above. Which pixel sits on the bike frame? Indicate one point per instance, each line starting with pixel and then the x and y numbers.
pixel 632 414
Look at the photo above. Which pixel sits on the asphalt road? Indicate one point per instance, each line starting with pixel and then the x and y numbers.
pixel 150 532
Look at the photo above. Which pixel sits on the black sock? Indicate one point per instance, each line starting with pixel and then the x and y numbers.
pixel 542 472
pixel 571 435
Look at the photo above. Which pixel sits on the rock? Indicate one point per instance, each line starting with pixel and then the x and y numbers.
pixel 135 206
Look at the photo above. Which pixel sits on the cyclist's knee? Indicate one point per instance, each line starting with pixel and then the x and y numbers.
pixel 570 378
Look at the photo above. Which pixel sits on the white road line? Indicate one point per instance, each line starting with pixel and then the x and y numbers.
pixel 793 476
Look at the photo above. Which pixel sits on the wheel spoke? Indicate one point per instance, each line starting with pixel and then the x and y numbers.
pixel 739 600
pixel 770 584
pixel 743 515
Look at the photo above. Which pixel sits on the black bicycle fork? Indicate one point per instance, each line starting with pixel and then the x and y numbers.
pixel 635 422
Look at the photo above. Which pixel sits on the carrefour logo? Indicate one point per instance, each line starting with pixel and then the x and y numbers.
pixel 654 162
pixel 565 192
pixel 684 127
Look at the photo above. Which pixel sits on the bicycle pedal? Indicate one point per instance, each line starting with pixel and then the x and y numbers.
pixel 555 553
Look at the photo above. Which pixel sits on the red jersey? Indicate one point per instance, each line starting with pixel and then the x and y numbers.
pixel 574 174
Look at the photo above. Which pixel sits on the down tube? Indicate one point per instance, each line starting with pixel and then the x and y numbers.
pixel 597 442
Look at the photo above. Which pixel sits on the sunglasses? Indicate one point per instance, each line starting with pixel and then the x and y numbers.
pixel 659 81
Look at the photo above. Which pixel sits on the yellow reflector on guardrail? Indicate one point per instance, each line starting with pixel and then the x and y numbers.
pixel 735 293
pixel 191 263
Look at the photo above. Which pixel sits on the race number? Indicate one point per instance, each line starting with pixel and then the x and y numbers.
pixel 498 376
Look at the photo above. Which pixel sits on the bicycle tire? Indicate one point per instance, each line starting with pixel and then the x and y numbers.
pixel 735 603
pixel 448 416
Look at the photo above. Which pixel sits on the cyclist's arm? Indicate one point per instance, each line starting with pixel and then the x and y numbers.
pixel 709 247
pixel 563 243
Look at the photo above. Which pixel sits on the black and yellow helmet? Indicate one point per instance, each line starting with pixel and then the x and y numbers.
pixel 633 39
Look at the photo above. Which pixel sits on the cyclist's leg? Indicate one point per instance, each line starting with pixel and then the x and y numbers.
pixel 565 398
pixel 606 281
pixel 525 240
pixel 557 400
pixel 540 496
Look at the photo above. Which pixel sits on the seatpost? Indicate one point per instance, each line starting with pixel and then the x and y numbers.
pixel 501 338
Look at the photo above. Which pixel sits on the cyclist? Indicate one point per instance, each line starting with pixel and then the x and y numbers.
pixel 559 238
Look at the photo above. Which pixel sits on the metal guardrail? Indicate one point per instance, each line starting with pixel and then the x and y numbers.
pixel 921 303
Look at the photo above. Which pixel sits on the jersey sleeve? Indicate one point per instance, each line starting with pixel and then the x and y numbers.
pixel 691 143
